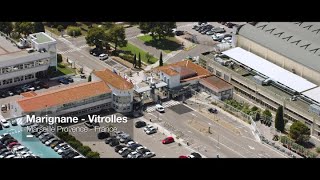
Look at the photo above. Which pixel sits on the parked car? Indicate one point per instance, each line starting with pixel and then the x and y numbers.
pixel 59 146
pixel 36 85
pixel 122 150
pixel 114 142
pixel 103 56
pixel 55 143
pixel 126 153
pixel 109 139
pixel 132 154
pixel 14 122
pixel 195 155
pixel 213 110
pixel 168 140
pixel 70 79
pixel 5 123
pixel 140 124
pixel 195 26
pixel 151 131
pixel 63 80
pixel 147 128
pixel 160 108
pixel 96 51
pixel 47 143
pixel 149 155
pixel 103 135
pixel 179 33
pixel 183 157
pixel 1 127
pixel 10 93
pixel 17 90
pixel 118 147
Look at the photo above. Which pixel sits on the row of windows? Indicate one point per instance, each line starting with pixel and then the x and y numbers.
pixel 17 79
pixel 122 99
pixel 124 108
pixel 28 65
pixel 85 101
pixel 88 110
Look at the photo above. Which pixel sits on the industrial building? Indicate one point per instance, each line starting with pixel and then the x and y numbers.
pixel 20 66
pixel 294 46
pixel 268 84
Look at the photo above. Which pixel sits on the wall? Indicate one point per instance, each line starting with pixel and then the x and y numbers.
pixel 174 81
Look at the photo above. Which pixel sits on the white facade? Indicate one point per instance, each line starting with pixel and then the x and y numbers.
pixel 172 81
pixel 23 67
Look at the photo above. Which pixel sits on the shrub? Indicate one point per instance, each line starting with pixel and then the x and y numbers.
pixel 73 31
pixel 84 150
pixel 60 65
pixel 126 57
pixel 254 108
pixel 92 154
pixel 318 149
pixel 60 28
pixel 59 58
pixel 90 78
pixel 75 144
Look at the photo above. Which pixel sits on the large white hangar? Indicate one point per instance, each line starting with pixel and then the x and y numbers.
pixel 294 46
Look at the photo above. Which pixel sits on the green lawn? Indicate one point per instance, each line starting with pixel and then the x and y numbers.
pixel 167 45
pixel 61 71
pixel 131 49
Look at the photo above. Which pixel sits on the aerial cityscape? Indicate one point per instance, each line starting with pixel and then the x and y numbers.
pixel 159 90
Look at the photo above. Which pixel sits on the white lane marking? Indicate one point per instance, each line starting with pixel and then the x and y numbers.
pixel 210 124
pixel 228 147
pixel 251 147
pixel 193 115
pixel 154 116
pixel 189 131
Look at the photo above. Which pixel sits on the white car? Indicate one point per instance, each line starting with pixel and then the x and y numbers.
pixel 10 156
pixel 151 131
pixel 130 143
pixel 147 128
pixel 159 108
pixel 20 149
pixel 149 154
pixel 5 123
pixel 131 155
pixel 77 157
pixel 47 143
pixel 103 56
pixel 122 150
pixel 61 150
pixel 59 146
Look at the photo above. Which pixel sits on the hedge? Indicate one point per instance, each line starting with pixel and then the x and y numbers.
pixel 73 31
pixel 76 144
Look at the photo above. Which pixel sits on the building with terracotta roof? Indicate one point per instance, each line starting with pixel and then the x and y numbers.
pixel 107 90
pixel 122 90
pixel 72 100
pixel 185 75
pixel 216 86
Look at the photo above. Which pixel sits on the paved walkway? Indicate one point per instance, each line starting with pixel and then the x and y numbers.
pixel 152 50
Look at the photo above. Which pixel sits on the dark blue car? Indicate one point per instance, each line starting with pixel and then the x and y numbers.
pixel 63 81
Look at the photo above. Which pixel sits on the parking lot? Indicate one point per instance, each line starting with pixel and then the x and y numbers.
pixel 152 142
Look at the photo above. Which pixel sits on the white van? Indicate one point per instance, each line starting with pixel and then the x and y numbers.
pixel 103 56
pixel 159 108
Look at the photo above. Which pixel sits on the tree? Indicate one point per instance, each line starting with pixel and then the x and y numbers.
pixel 38 27
pixel 108 25
pixel 148 57
pixel 254 108
pixel 134 60
pixel 60 28
pixel 90 78
pixel 139 61
pixel 299 132
pixel 97 37
pixel 84 149
pixel 92 154
pixel 73 31
pixel 267 113
pixel 279 121
pixel 160 60
pixel 25 28
pixel 6 27
pixel 257 116
pixel 158 30
pixel 117 36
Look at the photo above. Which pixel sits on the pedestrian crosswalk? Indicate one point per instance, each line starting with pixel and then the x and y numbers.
pixel 73 49
pixel 164 104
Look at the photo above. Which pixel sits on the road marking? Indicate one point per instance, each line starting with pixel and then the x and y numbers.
pixel 251 147
pixel 190 132
pixel 218 147
pixel 210 124
pixel 154 116
pixel 240 126
pixel 228 147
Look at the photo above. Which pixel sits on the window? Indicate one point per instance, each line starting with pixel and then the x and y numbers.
pixel 218 73
pixel 29 76
pixel 18 79
pixel 29 65
pixel 7 81
pixel 226 77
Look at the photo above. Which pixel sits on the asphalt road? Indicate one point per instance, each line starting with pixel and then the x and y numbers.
pixel 223 141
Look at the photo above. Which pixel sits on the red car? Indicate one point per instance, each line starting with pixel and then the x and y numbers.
pixel 13 144
pixel 183 157
pixel 168 140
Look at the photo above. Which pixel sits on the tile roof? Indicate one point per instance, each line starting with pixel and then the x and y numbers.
pixel 29 94
pixel 113 79
pixel 215 83
pixel 63 96
pixel 187 64
pixel 170 72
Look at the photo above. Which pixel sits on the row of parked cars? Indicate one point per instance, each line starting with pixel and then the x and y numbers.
pixel 58 145
pixel 217 33
pixel 24 88
pixel 11 148
pixel 65 80
pixel 125 145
